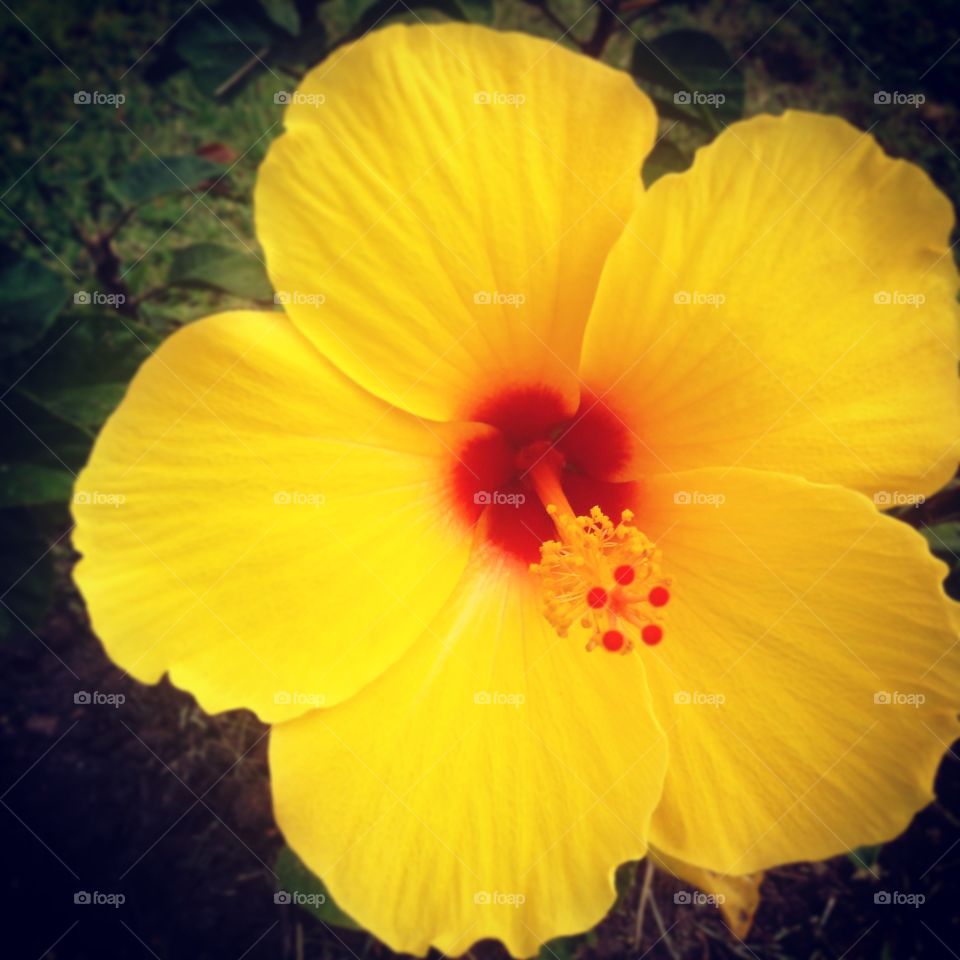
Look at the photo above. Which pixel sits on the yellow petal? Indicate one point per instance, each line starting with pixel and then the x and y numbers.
pixel 787 304
pixel 280 536
pixel 486 786
pixel 809 671
pixel 451 193
pixel 737 898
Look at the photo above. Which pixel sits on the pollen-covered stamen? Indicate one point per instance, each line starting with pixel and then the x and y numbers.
pixel 603 575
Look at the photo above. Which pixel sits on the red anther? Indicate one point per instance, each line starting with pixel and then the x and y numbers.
pixel 658 596
pixel 624 575
pixel 596 598
pixel 652 634
pixel 612 640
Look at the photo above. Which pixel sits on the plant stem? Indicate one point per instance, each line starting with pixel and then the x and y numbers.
pixel 606 26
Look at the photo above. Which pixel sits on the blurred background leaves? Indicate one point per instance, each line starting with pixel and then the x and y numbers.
pixel 133 139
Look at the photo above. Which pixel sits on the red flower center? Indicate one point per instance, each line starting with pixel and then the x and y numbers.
pixel 490 474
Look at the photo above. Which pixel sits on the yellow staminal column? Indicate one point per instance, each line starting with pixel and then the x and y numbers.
pixel 603 575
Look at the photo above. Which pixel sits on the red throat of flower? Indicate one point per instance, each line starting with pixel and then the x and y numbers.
pixel 541 491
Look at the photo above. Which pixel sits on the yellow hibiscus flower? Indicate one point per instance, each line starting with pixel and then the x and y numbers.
pixel 331 514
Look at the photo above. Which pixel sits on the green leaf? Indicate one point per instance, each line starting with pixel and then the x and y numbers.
pixel 668 110
pixel 83 378
pixel 866 858
pixel 697 71
pixel 85 406
pixel 478 11
pixel 32 433
pixel 297 879
pixel 944 540
pixel 283 13
pixel 665 157
pixel 52 413
pixel 157 176
pixel 381 11
pixel 29 485
pixel 561 948
pixel 31 297
pixel 219 43
pixel 216 267
pixel 26 574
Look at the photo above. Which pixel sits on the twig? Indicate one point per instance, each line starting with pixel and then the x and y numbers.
pixel 148 294
pixel 240 73
pixel 119 223
pixel 642 905
pixel 546 12
pixel 606 26
pixel 664 935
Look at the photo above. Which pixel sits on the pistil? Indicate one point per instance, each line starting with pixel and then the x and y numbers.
pixel 601 575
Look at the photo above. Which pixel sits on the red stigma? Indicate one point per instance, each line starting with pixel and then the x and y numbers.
pixel 612 640
pixel 624 575
pixel 658 596
pixel 652 634
pixel 596 598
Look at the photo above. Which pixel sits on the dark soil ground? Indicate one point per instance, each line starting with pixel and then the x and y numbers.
pixel 155 800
